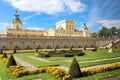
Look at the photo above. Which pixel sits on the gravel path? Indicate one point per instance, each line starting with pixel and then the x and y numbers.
pixel 40 59
pixel 25 64
pixel 95 60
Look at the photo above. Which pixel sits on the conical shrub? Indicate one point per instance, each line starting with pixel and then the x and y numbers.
pixel 11 61
pixel 1 51
pixel 4 55
pixel 15 51
pixel 74 70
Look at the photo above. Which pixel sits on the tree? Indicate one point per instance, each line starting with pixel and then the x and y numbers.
pixel 11 61
pixel 104 32
pixel 94 34
pixel 75 69
pixel 113 32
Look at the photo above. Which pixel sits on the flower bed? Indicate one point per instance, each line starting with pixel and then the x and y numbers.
pixel 59 74
pixel 101 69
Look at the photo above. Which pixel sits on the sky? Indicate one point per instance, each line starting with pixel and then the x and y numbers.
pixel 43 14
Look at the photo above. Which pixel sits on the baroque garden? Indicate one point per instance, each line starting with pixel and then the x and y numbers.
pixel 59 53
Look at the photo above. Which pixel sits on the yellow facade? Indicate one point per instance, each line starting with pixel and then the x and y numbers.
pixel 66 28
pixel 17 25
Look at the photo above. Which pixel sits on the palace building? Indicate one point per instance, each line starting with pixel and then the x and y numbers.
pixel 62 28
pixel 63 35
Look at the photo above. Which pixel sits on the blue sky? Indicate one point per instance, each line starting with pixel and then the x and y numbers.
pixel 43 14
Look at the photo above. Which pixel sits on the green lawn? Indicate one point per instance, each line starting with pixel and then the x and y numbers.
pixel 90 55
pixel 64 63
pixel 61 61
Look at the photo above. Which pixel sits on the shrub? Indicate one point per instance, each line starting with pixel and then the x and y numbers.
pixel 95 49
pixel 4 55
pixel 11 61
pixel 74 70
pixel 15 51
pixel 36 49
pixel 69 55
pixel 43 55
pixel 81 54
pixel 71 48
pixel 1 51
pixel 85 47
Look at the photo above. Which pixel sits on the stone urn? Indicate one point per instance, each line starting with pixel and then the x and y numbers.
pixel 111 46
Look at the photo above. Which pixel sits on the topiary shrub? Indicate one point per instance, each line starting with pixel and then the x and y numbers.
pixel 1 51
pixel 15 51
pixel 4 55
pixel 74 70
pixel 36 49
pixel 71 48
pixel 85 47
pixel 11 61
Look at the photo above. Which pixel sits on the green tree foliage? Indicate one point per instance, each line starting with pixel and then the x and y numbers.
pixel 11 61
pixel 104 32
pixel 94 34
pixel 113 32
pixel 75 69
pixel 107 32
pixel 4 55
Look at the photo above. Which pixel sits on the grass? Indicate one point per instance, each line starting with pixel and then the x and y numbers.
pixel 58 61
pixel 64 63
pixel 90 55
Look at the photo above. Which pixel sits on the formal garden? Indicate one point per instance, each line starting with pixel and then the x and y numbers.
pixel 59 64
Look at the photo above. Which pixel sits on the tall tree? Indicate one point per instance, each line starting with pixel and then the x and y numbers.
pixel 104 32
pixel 113 32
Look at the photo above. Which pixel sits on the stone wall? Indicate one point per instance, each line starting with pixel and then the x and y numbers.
pixel 33 42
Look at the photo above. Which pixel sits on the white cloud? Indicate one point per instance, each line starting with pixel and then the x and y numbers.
pixel 31 16
pixel 110 23
pixel 35 28
pixel 48 6
pixel 3 26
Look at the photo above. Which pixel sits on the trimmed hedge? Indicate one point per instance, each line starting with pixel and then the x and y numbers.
pixel 62 53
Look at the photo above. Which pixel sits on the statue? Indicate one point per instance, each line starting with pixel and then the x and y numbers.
pixel 111 46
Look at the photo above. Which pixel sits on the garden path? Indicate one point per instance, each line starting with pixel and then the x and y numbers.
pixel 95 60
pixel 38 58
pixel 44 60
pixel 25 64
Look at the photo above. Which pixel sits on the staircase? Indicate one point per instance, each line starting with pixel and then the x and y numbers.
pixel 116 44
